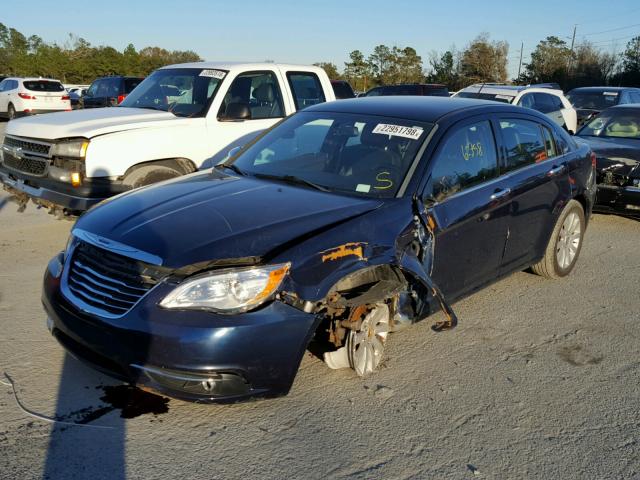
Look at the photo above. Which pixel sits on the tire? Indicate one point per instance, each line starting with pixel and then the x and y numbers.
pixel 564 246
pixel 11 112
pixel 150 174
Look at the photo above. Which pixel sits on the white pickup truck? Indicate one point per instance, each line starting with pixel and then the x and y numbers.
pixel 178 117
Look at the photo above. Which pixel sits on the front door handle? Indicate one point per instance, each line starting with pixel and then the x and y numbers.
pixel 500 193
pixel 555 171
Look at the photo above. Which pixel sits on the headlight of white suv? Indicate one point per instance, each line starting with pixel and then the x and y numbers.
pixel 228 291
pixel 71 148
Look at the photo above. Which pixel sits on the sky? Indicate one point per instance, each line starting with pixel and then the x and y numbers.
pixel 309 31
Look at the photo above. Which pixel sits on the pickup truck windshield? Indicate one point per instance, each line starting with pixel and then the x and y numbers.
pixel 185 92
pixel 358 154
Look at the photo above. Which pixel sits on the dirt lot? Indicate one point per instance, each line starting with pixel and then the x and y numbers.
pixel 540 380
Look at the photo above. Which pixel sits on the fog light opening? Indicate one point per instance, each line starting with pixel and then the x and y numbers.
pixel 633 207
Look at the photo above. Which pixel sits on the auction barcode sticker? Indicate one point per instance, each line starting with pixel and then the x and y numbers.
pixel 213 73
pixel 398 131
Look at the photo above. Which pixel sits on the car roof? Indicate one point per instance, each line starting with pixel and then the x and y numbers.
pixel 601 89
pixel 419 108
pixel 33 79
pixel 244 66
pixel 512 90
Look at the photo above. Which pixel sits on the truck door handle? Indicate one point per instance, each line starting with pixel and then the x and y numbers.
pixel 555 171
pixel 500 193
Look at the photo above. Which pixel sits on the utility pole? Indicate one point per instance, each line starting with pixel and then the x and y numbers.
pixel 573 40
pixel 520 65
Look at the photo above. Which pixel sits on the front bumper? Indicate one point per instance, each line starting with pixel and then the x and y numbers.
pixel 49 192
pixel 624 200
pixel 192 355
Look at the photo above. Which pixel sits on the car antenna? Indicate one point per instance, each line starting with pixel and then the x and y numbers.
pixel 481 87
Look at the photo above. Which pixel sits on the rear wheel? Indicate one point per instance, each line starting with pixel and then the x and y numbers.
pixel 150 174
pixel 11 112
pixel 565 243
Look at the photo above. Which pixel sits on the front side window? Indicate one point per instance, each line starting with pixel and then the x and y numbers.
pixel 465 159
pixel 547 103
pixel 130 84
pixel 306 89
pixel 523 142
pixel 3 84
pixel 92 91
pixel 356 154
pixel 376 92
pixel 622 123
pixel 527 101
pixel 259 91
pixel 185 92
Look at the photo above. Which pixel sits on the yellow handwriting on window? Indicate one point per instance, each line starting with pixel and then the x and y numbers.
pixel 386 183
pixel 471 150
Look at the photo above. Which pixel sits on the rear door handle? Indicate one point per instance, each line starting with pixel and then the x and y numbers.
pixel 555 171
pixel 500 193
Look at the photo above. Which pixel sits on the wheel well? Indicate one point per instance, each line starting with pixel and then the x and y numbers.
pixel 183 165
pixel 585 204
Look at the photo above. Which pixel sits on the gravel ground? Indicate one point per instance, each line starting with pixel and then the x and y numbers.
pixel 540 380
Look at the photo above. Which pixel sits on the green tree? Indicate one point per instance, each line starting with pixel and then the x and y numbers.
pixel 357 71
pixel 330 68
pixel 549 62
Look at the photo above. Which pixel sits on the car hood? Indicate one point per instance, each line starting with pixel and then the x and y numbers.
pixel 612 148
pixel 209 216
pixel 89 123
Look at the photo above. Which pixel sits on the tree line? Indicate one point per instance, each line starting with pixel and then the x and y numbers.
pixel 77 61
pixel 482 60
pixel 485 60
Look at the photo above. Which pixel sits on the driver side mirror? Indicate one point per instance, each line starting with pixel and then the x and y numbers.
pixel 236 112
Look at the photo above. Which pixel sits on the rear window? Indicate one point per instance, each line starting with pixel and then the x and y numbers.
pixel 43 86
pixel 131 83
pixel 436 91
pixel 593 100
pixel 342 90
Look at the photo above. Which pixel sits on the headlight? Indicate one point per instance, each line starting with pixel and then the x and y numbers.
pixel 230 291
pixel 71 148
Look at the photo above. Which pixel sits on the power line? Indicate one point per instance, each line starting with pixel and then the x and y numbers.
pixel 611 30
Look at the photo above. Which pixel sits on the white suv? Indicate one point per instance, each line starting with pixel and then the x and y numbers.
pixel 549 101
pixel 27 96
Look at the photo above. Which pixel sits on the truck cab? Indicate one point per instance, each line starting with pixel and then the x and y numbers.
pixel 176 119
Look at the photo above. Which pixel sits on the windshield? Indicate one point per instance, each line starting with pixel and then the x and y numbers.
pixel 615 124
pixel 185 92
pixel 359 154
pixel 594 100
pixel 487 96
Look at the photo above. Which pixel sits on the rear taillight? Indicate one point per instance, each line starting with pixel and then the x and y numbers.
pixel 593 159
pixel 26 96
pixel 66 97
pixel 121 98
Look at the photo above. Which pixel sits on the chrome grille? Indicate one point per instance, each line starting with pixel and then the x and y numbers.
pixel 28 146
pixel 33 166
pixel 109 283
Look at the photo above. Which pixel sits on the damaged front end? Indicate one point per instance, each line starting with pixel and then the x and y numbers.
pixel 618 182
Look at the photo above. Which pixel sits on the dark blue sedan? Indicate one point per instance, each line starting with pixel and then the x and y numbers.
pixel 345 222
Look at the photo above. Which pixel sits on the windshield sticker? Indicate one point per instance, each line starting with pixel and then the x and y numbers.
pixel 384 182
pixel 615 94
pixel 471 150
pixel 213 73
pixel 398 131
pixel 504 97
pixel 363 187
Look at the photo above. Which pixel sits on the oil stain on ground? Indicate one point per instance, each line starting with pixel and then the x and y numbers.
pixel 133 402
pixel 575 355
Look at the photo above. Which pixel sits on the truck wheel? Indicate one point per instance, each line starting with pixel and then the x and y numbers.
pixel 150 174
pixel 565 243
pixel 11 112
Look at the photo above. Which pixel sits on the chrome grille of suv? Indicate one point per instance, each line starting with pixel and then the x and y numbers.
pixel 109 283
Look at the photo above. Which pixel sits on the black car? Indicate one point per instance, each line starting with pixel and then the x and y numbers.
pixel 614 136
pixel 590 101
pixel 342 89
pixel 426 89
pixel 345 222
pixel 109 91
